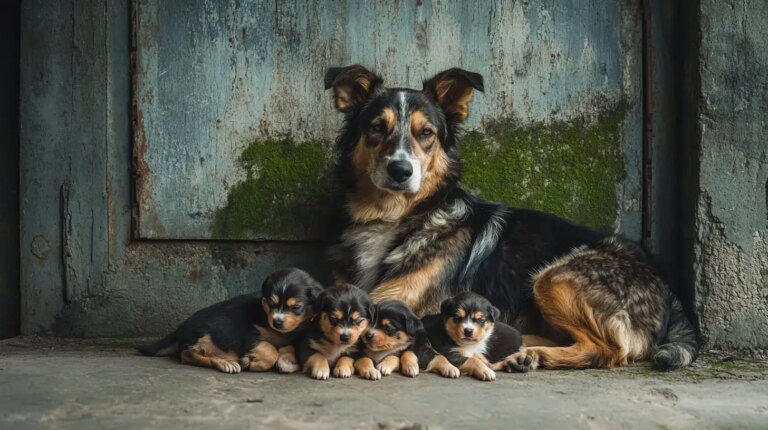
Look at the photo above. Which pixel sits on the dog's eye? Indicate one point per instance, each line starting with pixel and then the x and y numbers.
pixel 481 321
pixel 333 320
pixel 427 132
pixel 359 321
pixel 377 128
pixel 295 307
pixel 457 319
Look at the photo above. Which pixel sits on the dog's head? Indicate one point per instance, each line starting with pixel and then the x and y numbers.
pixel 345 313
pixel 288 297
pixel 468 318
pixel 402 140
pixel 396 327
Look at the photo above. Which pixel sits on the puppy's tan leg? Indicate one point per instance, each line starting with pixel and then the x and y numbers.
pixel 317 366
pixel 205 353
pixel 477 368
pixel 286 360
pixel 344 368
pixel 409 364
pixel 389 364
pixel 365 368
pixel 262 357
pixel 443 367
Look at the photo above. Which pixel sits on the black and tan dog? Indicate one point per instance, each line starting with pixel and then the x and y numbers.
pixel 344 314
pixel 467 333
pixel 414 235
pixel 252 332
pixel 398 341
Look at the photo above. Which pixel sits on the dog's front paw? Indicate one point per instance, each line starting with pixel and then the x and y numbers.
pixel 484 374
pixel 342 372
pixel 522 361
pixel 320 372
pixel 371 373
pixel 287 364
pixel 450 371
pixel 410 370
pixel 385 368
pixel 225 366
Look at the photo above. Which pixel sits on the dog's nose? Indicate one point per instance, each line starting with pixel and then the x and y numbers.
pixel 344 337
pixel 468 331
pixel 277 322
pixel 400 170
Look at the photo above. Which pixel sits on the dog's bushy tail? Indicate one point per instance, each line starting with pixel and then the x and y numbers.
pixel 168 345
pixel 680 346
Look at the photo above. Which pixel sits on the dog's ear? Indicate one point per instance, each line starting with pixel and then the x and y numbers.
pixel 452 89
pixel 413 325
pixel 445 307
pixel 372 313
pixel 352 85
pixel 319 303
pixel 494 313
pixel 314 289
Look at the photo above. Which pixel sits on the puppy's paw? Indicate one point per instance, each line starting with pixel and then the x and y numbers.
pixel 410 370
pixel 226 366
pixel 371 373
pixel 320 372
pixel 485 374
pixel 287 364
pixel 450 371
pixel 523 361
pixel 385 368
pixel 342 372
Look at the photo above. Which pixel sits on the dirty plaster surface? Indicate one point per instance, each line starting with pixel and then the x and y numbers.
pixel 59 383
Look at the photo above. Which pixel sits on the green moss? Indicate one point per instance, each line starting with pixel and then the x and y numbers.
pixel 285 194
pixel 569 168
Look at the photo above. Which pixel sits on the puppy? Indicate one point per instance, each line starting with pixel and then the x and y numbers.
pixel 344 314
pixel 398 341
pixel 467 333
pixel 252 331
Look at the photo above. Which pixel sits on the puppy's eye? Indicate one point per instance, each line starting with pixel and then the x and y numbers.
pixel 481 321
pixel 359 321
pixel 333 320
pixel 427 132
pixel 377 128
pixel 295 307
pixel 457 319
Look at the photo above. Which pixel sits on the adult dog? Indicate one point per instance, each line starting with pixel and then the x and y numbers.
pixel 584 299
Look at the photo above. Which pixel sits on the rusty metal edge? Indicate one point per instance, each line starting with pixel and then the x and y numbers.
pixel 139 168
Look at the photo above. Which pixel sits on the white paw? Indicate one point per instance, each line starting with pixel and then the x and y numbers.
pixel 372 374
pixel 410 370
pixel 485 375
pixel 384 368
pixel 287 365
pixel 227 366
pixel 342 372
pixel 321 372
pixel 450 371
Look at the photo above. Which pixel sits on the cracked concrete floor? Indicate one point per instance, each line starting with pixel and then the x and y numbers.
pixel 81 384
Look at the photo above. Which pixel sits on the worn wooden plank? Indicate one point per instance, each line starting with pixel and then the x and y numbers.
pixel 234 127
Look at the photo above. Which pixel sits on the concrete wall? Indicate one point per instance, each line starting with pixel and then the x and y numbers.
pixel 730 252
pixel 9 169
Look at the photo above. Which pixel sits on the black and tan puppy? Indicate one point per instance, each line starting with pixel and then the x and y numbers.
pixel 467 332
pixel 398 341
pixel 251 332
pixel 344 314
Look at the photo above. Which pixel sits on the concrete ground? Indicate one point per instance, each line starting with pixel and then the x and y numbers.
pixel 57 383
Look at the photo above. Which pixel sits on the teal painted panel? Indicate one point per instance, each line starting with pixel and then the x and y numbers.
pixel 233 130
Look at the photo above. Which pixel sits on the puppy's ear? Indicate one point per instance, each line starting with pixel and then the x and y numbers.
pixel 314 289
pixel 413 325
pixel 372 312
pixel 319 303
pixel 452 89
pixel 494 313
pixel 352 85
pixel 445 307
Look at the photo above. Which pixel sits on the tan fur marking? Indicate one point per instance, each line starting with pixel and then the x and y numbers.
pixel 534 340
pixel 365 368
pixel 262 357
pixel 411 287
pixel 478 368
pixel 317 366
pixel 205 353
pixel 409 364
pixel 454 97
pixel 344 367
pixel 442 366
pixel 389 364
pixel 291 302
pixel 461 313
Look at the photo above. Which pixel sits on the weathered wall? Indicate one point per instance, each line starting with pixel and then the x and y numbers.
pixel 9 169
pixel 731 219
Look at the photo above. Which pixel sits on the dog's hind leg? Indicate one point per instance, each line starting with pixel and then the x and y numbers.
pixel 202 354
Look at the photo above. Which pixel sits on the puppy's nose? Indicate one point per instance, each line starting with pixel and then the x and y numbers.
pixel 369 335
pixel 344 337
pixel 468 331
pixel 277 322
pixel 400 170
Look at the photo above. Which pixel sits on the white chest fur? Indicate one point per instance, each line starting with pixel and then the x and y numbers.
pixel 369 244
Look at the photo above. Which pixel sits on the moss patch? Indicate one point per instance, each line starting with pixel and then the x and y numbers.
pixel 285 194
pixel 568 168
